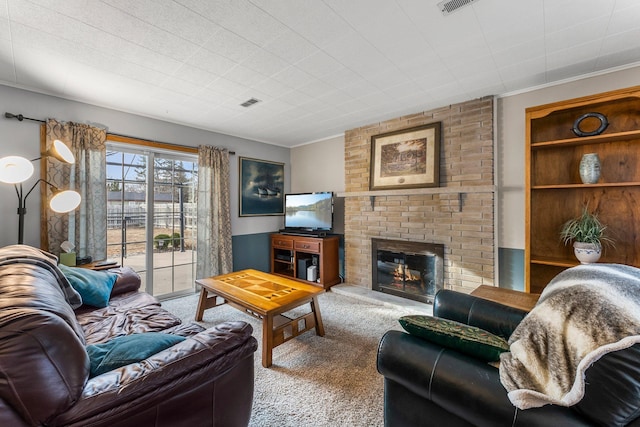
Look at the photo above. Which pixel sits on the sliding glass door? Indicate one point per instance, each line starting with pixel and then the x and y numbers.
pixel 174 224
pixel 152 216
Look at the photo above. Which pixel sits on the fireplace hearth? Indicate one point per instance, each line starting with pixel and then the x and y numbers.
pixel 412 270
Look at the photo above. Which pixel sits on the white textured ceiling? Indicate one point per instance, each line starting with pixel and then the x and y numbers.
pixel 319 67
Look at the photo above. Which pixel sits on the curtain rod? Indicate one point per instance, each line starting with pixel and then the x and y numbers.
pixel 20 118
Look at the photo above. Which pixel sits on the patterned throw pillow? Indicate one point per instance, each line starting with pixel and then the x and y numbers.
pixel 466 339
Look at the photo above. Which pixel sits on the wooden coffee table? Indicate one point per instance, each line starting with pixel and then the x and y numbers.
pixel 267 297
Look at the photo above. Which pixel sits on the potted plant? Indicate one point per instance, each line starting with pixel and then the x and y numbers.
pixel 588 236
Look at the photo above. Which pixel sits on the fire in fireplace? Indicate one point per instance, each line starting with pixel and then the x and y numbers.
pixel 411 270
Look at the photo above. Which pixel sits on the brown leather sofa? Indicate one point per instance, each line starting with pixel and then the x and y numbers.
pixel 205 380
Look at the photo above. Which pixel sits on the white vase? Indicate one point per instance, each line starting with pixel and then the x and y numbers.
pixel 590 168
pixel 587 253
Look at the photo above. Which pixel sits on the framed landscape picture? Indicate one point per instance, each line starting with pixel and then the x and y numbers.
pixel 261 187
pixel 408 158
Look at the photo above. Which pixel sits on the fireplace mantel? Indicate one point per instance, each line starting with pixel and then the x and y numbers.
pixel 412 191
pixel 456 207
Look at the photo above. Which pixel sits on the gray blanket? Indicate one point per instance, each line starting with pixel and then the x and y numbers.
pixel 584 313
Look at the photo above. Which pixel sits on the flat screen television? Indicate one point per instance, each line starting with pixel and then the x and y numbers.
pixel 308 211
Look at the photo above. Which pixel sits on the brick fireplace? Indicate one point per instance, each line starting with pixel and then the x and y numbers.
pixel 459 215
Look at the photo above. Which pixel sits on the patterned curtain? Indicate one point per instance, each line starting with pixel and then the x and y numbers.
pixel 214 215
pixel 86 227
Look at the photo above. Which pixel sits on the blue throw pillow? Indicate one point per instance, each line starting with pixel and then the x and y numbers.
pixel 122 351
pixel 93 286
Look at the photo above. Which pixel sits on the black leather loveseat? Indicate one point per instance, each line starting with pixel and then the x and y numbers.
pixel 428 385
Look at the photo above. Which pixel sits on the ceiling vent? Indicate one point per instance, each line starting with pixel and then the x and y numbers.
pixel 250 102
pixel 450 6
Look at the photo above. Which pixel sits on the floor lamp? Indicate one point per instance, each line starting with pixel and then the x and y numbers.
pixel 16 170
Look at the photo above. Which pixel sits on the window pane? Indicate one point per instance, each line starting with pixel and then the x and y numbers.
pixel 135 167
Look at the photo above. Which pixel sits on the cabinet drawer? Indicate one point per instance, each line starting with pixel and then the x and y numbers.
pixel 282 243
pixel 308 246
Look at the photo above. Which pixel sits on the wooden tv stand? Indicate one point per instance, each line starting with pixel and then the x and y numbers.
pixel 290 254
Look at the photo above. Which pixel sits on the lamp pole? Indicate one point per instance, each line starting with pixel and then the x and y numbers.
pixel 22 208
pixel 22 205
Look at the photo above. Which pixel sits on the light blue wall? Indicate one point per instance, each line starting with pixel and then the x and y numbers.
pixel 23 139
pixel 511 268
pixel 251 251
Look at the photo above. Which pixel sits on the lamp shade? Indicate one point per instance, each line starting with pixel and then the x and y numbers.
pixel 61 152
pixel 15 169
pixel 65 201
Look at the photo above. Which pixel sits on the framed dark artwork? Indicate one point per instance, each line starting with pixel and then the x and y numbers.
pixel 261 187
pixel 407 158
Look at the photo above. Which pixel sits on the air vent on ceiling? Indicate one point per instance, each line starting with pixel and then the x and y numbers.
pixel 250 102
pixel 450 6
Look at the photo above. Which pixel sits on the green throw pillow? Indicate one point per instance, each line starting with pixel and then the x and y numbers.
pixel 122 351
pixel 467 339
pixel 93 286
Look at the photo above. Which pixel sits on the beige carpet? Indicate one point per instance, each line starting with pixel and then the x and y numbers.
pixel 317 381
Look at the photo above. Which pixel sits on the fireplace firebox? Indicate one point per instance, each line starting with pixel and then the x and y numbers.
pixel 407 269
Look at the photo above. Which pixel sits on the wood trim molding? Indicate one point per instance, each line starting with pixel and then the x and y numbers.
pixel 44 236
pixel 151 143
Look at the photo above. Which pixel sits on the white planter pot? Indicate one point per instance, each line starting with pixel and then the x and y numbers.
pixel 587 253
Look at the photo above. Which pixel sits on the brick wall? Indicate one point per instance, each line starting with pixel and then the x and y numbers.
pixel 462 221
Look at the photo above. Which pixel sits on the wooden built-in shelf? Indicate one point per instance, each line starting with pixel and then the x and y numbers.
pixel 553 189
pixel 554 262
pixel 605 137
pixel 578 186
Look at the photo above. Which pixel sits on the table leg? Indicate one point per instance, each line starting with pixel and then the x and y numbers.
pixel 315 307
pixel 202 303
pixel 267 340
